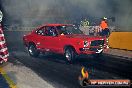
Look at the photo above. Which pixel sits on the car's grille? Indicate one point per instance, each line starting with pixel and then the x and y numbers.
pixel 93 49
pixel 97 43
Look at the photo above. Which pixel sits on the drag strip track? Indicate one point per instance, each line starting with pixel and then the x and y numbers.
pixel 110 64
pixel 56 71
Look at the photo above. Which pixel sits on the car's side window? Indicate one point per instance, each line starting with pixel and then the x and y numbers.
pixel 51 31
pixel 40 31
pixel 62 30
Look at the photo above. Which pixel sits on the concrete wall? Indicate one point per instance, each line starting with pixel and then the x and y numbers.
pixel 121 40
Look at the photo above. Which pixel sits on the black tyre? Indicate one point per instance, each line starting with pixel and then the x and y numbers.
pixel 33 50
pixel 70 54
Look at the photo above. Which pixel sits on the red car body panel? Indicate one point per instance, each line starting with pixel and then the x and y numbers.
pixel 58 43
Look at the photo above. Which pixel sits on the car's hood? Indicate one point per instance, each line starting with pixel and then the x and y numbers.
pixel 85 37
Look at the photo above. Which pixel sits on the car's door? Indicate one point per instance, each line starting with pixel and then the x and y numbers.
pixel 52 39
pixel 40 38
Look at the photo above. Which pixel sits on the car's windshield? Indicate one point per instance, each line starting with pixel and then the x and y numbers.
pixel 69 30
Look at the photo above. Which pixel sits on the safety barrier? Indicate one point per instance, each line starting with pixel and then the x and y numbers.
pixel 3 48
pixel 121 40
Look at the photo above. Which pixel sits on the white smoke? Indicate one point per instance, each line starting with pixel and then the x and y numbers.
pixel 36 12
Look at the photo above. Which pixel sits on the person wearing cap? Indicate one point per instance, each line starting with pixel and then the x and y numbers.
pixel 104 27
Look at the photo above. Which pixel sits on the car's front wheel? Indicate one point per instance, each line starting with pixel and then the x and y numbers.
pixel 70 54
pixel 33 50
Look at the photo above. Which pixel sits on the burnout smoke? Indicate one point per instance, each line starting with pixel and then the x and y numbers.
pixel 37 12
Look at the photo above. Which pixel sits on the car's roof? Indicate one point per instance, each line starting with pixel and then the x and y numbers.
pixel 58 25
pixel 51 25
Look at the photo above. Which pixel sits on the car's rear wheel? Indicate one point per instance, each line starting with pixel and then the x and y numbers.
pixel 33 50
pixel 70 54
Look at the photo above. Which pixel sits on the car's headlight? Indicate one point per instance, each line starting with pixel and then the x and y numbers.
pixel 86 43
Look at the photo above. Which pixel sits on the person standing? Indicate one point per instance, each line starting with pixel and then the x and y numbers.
pixel 104 27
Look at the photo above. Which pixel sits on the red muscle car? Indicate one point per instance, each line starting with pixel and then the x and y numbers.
pixel 63 39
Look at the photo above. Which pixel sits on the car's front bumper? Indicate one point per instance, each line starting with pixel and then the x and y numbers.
pixel 91 50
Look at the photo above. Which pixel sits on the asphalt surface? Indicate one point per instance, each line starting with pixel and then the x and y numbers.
pixel 55 70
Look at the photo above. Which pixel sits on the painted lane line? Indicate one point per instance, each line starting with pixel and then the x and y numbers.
pixel 7 78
